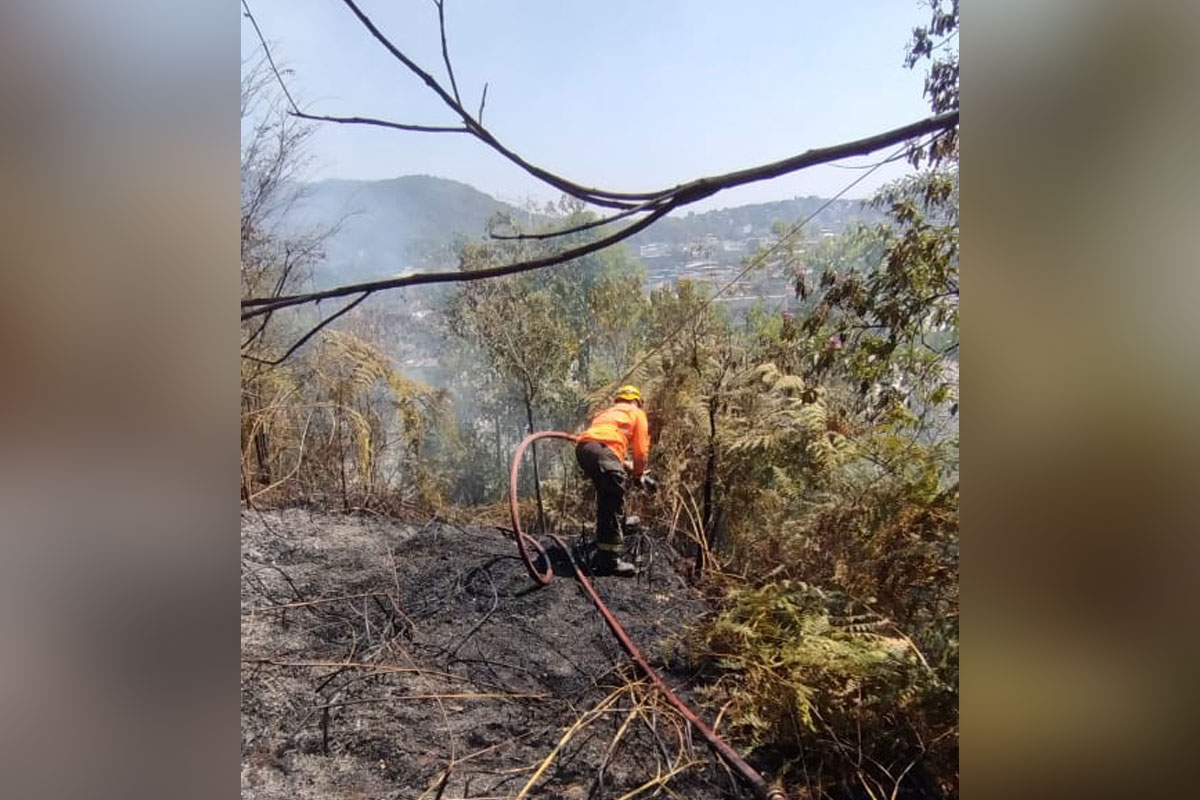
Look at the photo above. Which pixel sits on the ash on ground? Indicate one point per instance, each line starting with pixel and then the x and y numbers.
pixel 384 659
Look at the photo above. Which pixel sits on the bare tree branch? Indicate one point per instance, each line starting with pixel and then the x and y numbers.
pixel 683 195
pixel 316 329
pixel 266 305
pixel 820 155
pixel 596 223
pixel 270 60
pixel 654 205
pixel 719 180
pixel 441 8
pixel 587 194
pixel 627 200
pixel 382 123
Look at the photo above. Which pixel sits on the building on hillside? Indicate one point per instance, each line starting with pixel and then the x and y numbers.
pixel 654 250
pixel 755 242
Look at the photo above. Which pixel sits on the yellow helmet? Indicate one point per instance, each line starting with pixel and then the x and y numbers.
pixel 628 392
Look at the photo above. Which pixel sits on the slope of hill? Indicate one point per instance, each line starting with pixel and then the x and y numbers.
pixel 389 226
pixel 413 222
pixel 756 220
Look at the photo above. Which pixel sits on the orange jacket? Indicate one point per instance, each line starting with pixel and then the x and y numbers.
pixel 620 427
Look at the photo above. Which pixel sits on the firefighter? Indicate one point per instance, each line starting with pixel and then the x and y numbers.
pixel 601 451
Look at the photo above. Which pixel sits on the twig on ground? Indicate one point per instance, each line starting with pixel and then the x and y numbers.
pixel 659 780
pixel 453 764
pixel 485 618
pixel 651 725
pixel 452 696
pixel 412 626
pixel 612 746
pixel 582 722
pixel 343 665
pixel 318 601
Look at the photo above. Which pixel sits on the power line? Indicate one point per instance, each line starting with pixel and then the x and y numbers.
pixel 895 156
pixel 759 259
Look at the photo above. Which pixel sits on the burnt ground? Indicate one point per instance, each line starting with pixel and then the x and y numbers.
pixel 390 660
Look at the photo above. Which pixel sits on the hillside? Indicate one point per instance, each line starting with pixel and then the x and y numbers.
pixel 756 220
pixel 391 225
pixel 798 562
pixel 412 222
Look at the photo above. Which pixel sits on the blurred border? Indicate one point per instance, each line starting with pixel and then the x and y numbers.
pixel 1080 389
pixel 118 224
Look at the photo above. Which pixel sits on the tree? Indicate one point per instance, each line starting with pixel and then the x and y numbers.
pixel 523 338
pixel 811 456
pixel 272 154
pixel 540 345
pixel 937 43
pixel 640 209
pixel 599 295
pixel 837 501
pixel 340 421
pixel 838 473
pixel 685 378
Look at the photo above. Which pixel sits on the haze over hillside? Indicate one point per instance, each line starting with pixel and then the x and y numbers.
pixel 389 226
pixel 413 223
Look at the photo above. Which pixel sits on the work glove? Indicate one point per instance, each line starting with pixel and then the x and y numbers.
pixel 648 483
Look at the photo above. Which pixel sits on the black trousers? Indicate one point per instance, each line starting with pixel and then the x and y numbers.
pixel 608 476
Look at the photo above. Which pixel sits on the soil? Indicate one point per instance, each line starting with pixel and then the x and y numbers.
pixel 416 660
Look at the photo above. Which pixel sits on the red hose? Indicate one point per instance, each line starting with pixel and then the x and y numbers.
pixel 522 538
pixel 753 779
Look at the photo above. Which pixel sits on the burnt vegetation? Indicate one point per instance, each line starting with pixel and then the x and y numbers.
pixel 799 582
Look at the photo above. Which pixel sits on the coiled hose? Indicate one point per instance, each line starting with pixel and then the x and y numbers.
pixel 748 774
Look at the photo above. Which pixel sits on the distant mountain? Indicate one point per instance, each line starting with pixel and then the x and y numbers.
pixel 390 226
pixel 412 223
pixel 756 220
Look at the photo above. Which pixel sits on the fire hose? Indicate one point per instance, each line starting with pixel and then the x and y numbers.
pixel 761 788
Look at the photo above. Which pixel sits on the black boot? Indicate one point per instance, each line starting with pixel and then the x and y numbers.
pixel 606 562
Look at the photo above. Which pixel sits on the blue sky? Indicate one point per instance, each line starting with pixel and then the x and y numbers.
pixel 625 94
